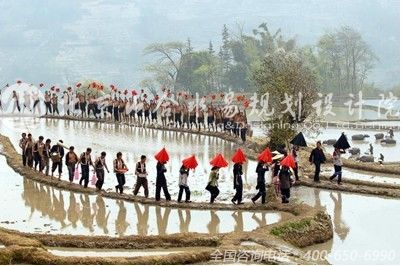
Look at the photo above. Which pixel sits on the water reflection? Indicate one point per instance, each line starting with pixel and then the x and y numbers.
pixel 361 223
pixel 50 210
pixel 341 228
pixel 133 142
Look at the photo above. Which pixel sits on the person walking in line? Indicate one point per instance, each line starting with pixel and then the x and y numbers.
pixel 260 170
pixel 285 183
pixel 317 157
pixel 57 154
pixel 55 104
pixel 141 173
pixel 161 182
pixel 36 105
pixel 46 156
pixel 22 143
pixel 238 183
pixel 100 166
pixel 38 149
pixel 29 150
pixel 16 100
pixel 85 161
pixel 48 104
pixel 120 169
pixel 336 156
pixel 71 162
pixel 183 184
pixel 212 185
pixel 27 102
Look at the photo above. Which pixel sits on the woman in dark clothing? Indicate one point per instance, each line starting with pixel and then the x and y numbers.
pixel 238 183
pixel 260 170
pixel 285 183
pixel 161 182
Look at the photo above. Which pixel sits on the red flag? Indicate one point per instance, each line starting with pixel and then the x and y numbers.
pixel 265 156
pixel 162 156
pixel 190 162
pixel 289 162
pixel 239 157
pixel 219 161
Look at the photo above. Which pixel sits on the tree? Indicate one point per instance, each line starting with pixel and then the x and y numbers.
pixel 345 60
pixel 169 58
pixel 286 74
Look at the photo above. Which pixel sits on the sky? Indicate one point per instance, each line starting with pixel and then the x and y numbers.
pixel 60 42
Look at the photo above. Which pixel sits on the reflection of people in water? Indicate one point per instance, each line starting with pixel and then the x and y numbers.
pixel 162 221
pixel 184 223
pixel 100 214
pixel 238 217
pixel 73 211
pixel 213 225
pixel 341 229
pixel 58 208
pixel 261 222
pixel 317 202
pixel 87 218
pixel 142 219
pixel 121 221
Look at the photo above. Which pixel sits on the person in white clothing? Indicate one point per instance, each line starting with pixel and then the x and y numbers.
pixel 183 185
pixel 66 103
pixel 27 101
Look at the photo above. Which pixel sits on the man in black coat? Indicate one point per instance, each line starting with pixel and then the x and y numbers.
pixel 317 157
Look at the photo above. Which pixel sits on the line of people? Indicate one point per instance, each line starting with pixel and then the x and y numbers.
pixel 37 154
pixel 139 110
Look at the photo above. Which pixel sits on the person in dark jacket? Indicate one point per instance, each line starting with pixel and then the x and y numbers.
pixel 285 183
pixel 260 170
pixel 238 183
pixel 317 157
pixel 85 161
pixel 161 182
pixel 57 154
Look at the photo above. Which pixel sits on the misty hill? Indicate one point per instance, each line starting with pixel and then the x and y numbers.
pixel 58 41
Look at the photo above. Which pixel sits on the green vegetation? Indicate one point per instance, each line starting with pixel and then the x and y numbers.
pixel 291 226
pixel 341 61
